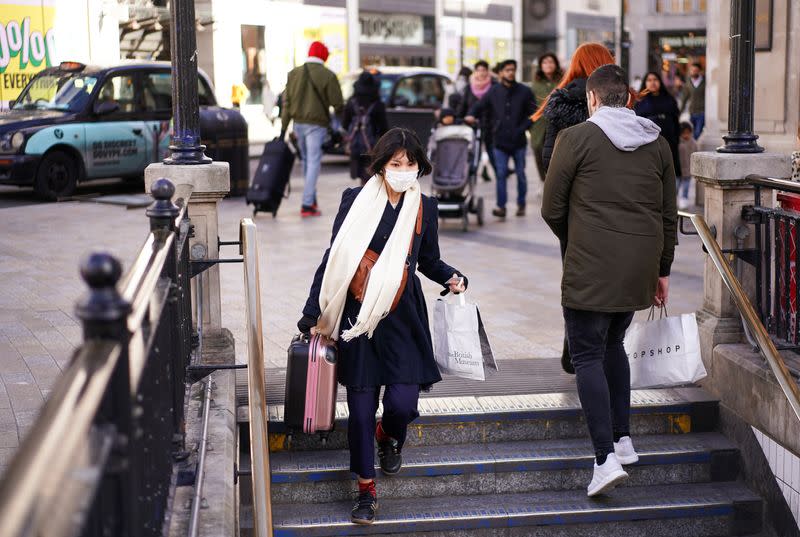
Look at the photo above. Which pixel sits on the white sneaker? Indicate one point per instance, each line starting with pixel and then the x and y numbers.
pixel 683 203
pixel 607 476
pixel 625 452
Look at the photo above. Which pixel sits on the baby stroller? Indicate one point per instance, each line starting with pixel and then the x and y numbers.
pixel 455 153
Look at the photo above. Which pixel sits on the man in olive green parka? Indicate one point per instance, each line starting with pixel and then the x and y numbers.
pixel 609 197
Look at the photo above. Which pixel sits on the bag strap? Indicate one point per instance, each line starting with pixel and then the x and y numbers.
pixel 314 86
pixel 417 229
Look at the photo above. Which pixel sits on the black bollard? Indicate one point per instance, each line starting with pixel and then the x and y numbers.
pixel 740 137
pixel 185 147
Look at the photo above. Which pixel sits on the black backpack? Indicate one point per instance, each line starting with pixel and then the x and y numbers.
pixel 361 134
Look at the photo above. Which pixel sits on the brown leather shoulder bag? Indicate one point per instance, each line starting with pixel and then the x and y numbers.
pixel 358 286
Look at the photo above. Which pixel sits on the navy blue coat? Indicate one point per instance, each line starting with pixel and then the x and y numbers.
pixel 510 109
pixel 400 351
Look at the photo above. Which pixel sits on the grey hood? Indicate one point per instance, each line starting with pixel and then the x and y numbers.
pixel 626 130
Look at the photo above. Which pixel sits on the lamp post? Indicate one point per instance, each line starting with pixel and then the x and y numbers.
pixel 740 137
pixel 185 147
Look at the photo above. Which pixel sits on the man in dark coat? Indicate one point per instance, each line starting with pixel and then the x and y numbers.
pixel 512 104
pixel 609 196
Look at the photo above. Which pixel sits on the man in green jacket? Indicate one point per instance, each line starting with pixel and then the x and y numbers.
pixel 694 94
pixel 609 197
pixel 311 90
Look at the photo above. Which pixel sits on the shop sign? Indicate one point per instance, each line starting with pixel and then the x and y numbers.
pixel 27 43
pixel 679 41
pixel 388 29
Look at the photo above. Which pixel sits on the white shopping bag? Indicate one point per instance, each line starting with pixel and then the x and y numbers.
pixel 664 352
pixel 460 344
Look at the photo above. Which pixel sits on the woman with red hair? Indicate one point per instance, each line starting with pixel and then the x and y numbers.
pixel 566 106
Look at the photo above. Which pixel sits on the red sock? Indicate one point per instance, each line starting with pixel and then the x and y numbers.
pixel 367 487
pixel 380 434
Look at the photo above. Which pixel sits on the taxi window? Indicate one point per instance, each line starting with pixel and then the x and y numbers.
pixel 419 92
pixel 119 89
pixel 157 92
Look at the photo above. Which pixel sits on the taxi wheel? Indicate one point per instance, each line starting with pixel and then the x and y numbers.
pixel 57 176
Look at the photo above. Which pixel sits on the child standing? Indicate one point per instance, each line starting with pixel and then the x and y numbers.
pixel 686 146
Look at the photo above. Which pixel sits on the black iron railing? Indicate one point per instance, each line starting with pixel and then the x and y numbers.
pixel 777 243
pixel 99 459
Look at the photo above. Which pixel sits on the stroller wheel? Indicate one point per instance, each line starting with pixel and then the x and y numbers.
pixel 465 221
pixel 471 206
pixel 479 211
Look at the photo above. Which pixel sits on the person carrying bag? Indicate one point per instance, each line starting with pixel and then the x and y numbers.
pixel 367 297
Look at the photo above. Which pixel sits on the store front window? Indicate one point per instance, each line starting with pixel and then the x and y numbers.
pixel 671 54
pixel 253 63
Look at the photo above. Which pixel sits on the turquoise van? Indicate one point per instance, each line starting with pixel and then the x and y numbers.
pixel 76 122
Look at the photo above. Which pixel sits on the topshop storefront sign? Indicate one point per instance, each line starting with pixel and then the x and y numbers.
pixel 386 29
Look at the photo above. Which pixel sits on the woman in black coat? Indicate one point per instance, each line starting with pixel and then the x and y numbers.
pixel 657 105
pixel 399 354
pixel 566 107
pixel 365 122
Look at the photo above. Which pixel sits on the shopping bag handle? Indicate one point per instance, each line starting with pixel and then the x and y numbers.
pixel 652 315
pixel 459 296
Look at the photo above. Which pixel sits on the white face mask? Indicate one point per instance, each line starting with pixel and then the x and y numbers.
pixel 400 181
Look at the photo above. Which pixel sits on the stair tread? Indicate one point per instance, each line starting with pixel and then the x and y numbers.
pixel 531 406
pixel 294 466
pixel 537 508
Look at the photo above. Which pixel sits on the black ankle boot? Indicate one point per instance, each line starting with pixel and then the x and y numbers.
pixel 388 452
pixel 365 507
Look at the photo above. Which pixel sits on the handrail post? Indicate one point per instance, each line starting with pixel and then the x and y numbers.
pixel 104 316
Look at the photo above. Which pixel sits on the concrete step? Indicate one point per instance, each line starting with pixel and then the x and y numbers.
pixel 482 419
pixel 697 510
pixel 494 468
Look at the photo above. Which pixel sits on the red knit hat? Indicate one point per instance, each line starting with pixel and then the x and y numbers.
pixel 318 50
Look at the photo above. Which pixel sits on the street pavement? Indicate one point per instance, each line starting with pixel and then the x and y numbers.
pixel 513 268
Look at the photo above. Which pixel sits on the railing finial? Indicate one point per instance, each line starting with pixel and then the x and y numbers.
pixel 162 212
pixel 103 310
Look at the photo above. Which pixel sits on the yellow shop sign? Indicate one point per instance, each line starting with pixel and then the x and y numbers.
pixel 27 43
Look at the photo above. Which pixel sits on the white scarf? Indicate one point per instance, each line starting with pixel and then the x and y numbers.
pixel 348 249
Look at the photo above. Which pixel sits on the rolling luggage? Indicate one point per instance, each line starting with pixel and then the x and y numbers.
pixel 271 179
pixel 311 386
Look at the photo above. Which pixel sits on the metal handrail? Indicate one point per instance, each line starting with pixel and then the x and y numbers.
pixel 256 385
pixel 774 183
pixel 57 438
pixel 749 315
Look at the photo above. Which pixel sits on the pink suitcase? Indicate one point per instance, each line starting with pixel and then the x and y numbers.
pixel 311 386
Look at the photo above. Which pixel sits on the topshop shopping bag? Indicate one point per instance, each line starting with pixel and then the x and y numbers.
pixel 664 352
pixel 461 347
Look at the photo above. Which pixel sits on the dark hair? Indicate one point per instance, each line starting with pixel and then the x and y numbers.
pixel 505 63
pixel 610 85
pixel 399 139
pixel 481 63
pixel 557 74
pixel 465 71
pixel 643 85
pixel 698 65
pixel 685 126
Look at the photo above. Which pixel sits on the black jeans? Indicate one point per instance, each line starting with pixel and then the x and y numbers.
pixel 602 374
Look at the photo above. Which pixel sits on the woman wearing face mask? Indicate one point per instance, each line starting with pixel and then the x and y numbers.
pixel 383 334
